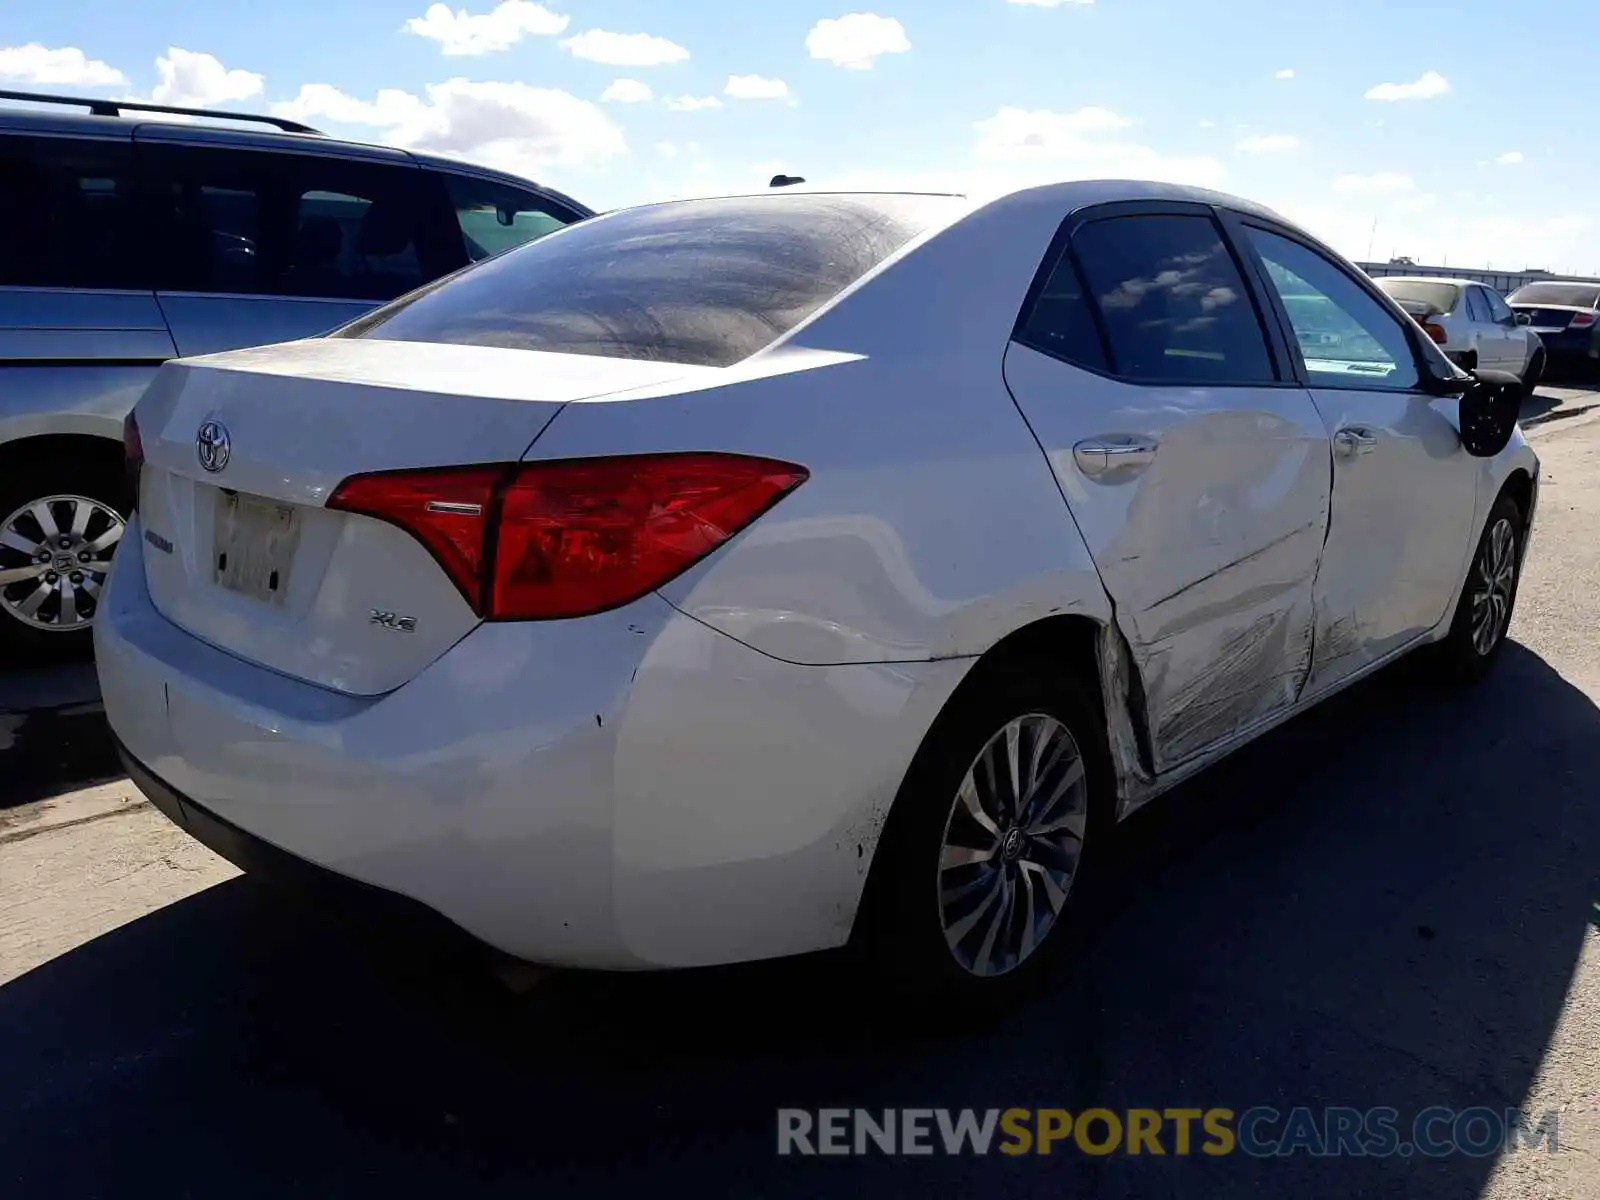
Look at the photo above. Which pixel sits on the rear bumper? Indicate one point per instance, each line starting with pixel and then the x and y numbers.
pixel 261 859
pixel 628 791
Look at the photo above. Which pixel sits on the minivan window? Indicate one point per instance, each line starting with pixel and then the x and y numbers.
pixel 68 214
pixel 495 218
pixel 701 282
pixel 1571 295
pixel 1174 306
pixel 237 221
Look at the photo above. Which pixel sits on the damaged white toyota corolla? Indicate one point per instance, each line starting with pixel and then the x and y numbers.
pixel 734 578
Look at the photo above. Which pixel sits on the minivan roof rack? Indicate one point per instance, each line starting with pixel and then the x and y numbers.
pixel 115 108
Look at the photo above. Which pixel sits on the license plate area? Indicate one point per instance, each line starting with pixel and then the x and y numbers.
pixel 254 546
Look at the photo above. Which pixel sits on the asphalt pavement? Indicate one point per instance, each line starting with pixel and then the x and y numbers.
pixel 1389 902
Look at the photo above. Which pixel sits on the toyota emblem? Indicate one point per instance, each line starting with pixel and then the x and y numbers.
pixel 212 446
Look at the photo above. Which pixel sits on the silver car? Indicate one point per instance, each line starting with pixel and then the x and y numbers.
pixel 127 239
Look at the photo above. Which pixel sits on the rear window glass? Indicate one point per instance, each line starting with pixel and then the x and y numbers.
pixel 1575 295
pixel 703 282
pixel 1440 296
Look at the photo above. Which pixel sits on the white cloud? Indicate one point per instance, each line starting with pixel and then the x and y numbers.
pixel 1269 143
pixel 754 87
pixel 856 40
pixel 503 26
pixel 624 49
pixel 1383 183
pixel 64 67
pixel 1286 73
pixel 1208 124
pixel 1510 158
pixel 508 125
pixel 693 103
pixel 1426 88
pixel 1018 146
pixel 193 80
pixel 628 91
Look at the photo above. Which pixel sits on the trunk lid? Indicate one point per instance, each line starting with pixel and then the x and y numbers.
pixel 1550 316
pixel 243 451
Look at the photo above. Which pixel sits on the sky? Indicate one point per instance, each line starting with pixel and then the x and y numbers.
pixel 1384 126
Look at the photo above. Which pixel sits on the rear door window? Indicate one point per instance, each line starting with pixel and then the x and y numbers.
pixel 258 223
pixel 701 282
pixel 69 214
pixel 1174 306
pixel 1477 308
pixel 494 218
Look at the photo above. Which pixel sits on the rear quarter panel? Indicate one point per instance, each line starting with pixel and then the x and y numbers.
pixel 931 525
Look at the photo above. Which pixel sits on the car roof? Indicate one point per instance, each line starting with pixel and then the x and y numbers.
pixel 155 127
pixel 1382 279
pixel 1073 194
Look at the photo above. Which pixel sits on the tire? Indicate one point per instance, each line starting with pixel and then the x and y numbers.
pixel 1533 374
pixel 1466 655
pixel 35 627
pixel 924 932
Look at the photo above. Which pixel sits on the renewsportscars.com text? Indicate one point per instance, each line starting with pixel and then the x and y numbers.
pixel 1260 1132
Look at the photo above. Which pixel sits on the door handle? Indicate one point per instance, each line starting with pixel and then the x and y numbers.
pixel 1097 456
pixel 1354 441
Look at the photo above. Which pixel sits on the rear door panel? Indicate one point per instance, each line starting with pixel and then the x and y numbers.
pixel 1209 544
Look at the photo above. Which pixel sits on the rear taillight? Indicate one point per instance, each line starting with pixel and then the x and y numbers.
pixel 1582 320
pixel 132 457
pixel 540 541
pixel 1436 331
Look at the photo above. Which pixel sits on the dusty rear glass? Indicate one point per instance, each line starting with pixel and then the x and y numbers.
pixel 1438 296
pixel 703 282
pixel 1571 294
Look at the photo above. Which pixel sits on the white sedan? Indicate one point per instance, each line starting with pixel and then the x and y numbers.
pixel 742 577
pixel 1472 324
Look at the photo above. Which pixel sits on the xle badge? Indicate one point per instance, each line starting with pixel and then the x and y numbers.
pixel 389 620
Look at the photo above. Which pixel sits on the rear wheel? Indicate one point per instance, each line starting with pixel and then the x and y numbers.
pixel 1488 599
pixel 1533 374
pixel 978 876
pixel 60 523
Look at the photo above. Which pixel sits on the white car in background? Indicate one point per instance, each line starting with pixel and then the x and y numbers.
pixel 1472 323
pixel 735 578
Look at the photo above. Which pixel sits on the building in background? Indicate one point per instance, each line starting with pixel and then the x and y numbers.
pixel 1504 282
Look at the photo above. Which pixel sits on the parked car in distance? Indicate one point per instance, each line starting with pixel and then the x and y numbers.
pixel 734 578
pixel 1566 316
pixel 127 239
pixel 1473 325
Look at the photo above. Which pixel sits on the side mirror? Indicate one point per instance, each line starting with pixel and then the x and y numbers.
pixel 1524 319
pixel 1490 406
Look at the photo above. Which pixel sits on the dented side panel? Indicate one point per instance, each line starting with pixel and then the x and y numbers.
pixel 1405 516
pixel 1209 551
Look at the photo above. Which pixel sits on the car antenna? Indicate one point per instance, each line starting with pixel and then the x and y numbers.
pixel 785 180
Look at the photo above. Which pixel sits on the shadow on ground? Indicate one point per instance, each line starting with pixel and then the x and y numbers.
pixel 1559 399
pixel 1380 905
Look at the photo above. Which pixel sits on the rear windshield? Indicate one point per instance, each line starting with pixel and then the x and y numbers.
pixel 1441 296
pixel 1576 295
pixel 704 282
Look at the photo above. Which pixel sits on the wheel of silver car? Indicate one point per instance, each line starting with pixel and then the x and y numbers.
pixel 1494 581
pixel 1488 598
pixel 54 555
pixel 1011 844
pixel 978 880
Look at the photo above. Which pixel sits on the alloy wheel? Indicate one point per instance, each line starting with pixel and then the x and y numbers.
pixel 54 556
pixel 1494 583
pixel 1012 844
